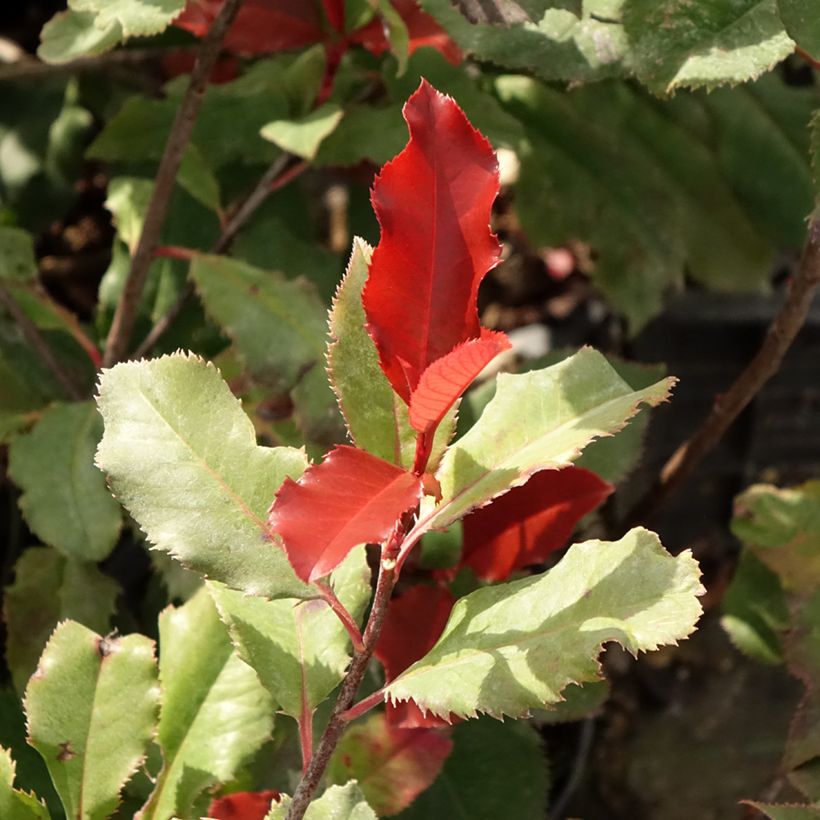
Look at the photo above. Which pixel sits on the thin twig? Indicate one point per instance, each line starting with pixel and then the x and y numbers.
pixel 278 174
pixel 329 597
pixel 784 327
pixel 32 69
pixel 118 337
pixel 38 342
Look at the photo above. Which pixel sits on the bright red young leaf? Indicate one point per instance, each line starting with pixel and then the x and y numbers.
pixel 351 498
pixel 448 377
pixel 412 625
pixel 422 30
pixel 261 26
pixel 243 805
pixel 391 766
pixel 526 524
pixel 433 204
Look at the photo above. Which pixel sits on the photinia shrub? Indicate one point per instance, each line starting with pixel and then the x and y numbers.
pixel 282 544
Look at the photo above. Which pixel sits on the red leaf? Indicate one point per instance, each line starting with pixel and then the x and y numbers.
pixel 526 524
pixel 350 498
pixel 422 30
pixel 261 26
pixel 243 805
pixel 412 625
pixel 335 13
pixel 433 204
pixel 392 766
pixel 448 377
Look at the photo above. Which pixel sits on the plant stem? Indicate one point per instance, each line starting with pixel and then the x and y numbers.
pixel 125 315
pixel 355 674
pixel 38 342
pixel 277 176
pixel 779 337
pixel 329 597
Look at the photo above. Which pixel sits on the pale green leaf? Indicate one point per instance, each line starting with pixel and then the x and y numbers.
pixel 299 649
pixel 17 261
pixel 91 709
pixel 49 588
pixel 127 200
pixel 197 178
pixel 562 45
pixel 538 420
pixel 377 419
pixel 278 325
pixel 182 457
pixel 495 770
pixel 215 714
pixel 793 811
pixel 705 43
pixel 337 803
pixel 70 35
pixel 579 703
pixel 16 804
pixel 65 501
pixel 304 136
pixel 136 18
pixel 396 31
pixel 514 647
pixel 802 22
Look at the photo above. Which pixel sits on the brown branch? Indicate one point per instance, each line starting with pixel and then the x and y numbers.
pixel 38 342
pixel 278 174
pixel 764 365
pixel 125 316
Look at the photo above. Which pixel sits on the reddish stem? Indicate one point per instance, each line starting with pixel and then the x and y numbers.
pixel 175 252
pixel 329 596
pixel 424 446
pixel 364 705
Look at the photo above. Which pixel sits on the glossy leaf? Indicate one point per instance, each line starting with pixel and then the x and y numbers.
pixel 337 803
pixel 412 625
pixel 64 500
pixel 526 524
pixel 242 805
pixel 49 588
pixel 215 714
pixel 135 17
pixel 173 423
pixel 14 803
pixel 377 419
pixel 299 650
pixel 443 382
pixel 277 325
pixel 495 770
pixel 350 498
pixel 91 709
pixel 497 653
pixel 433 205
pixel 675 45
pixel 536 421
pixel 303 137
pixel 260 27
pixel 391 766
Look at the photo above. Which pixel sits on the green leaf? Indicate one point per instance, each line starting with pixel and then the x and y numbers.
pixel 65 501
pixel 278 325
pixel 365 133
pixel 91 710
pixel 782 528
pixel 496 770
pixel 136 18
pixel 304 136
pixel 182 458
pixel 377 419
pixel 15 804
pixel 579 703
pixel 300 650
pixel 396 31
pixel 514 647
pixel 561 45
pixel 127 200
pixel 536 421
pixel 802 22
pixel 707 43
pixel 49 588
pixel 17 261
pixel 337 803
pixel 755 610
pixel 70 35
pixel 215 713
